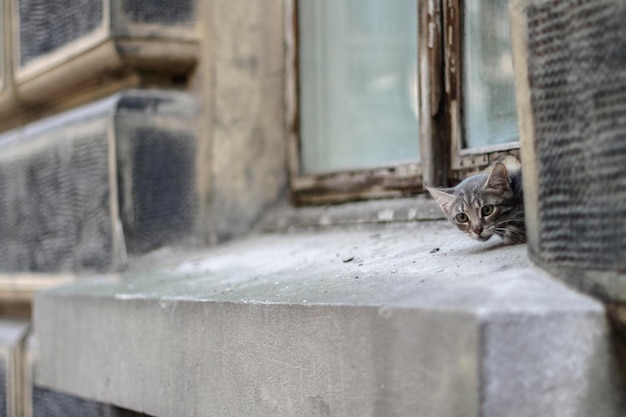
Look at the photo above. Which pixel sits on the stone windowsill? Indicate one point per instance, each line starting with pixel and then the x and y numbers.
pixel 363 321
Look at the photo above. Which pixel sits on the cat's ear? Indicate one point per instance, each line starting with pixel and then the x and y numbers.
pixel 499 178
pixel 443 197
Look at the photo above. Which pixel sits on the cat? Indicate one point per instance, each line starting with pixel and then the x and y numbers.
pixel 487 204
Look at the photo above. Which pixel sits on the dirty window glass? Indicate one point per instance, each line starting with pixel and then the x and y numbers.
pixel 490 115
pixel 358 83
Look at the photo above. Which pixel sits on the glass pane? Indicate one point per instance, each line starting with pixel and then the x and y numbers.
pixel 488 90
pixel 358 83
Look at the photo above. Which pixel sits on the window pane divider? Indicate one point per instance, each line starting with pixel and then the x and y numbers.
pixel 434 132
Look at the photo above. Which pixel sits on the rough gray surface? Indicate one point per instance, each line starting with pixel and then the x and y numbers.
pixel 570 73
pixel 409 209
pixel 13 333
pixel 45 27
pixel 79 188
pixel 577 83
pixel 245 149
pixel 416 320
pixel 55 195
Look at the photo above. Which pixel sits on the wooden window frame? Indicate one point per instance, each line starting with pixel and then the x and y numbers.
pixel 379 182
pixel 464 161
pixel 441 125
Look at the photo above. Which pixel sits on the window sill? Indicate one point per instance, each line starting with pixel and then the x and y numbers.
pixel 418 208
pixel 376 320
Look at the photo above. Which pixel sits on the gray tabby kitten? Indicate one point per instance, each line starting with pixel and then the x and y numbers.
pixel 487 204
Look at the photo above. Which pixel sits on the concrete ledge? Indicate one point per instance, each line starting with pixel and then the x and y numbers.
pixel 387 321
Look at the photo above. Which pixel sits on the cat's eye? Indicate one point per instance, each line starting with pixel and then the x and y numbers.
pixel 462 218
pixel 487 210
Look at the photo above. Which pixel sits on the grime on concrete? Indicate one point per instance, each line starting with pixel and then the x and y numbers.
pixel 375 265
pixel 370 320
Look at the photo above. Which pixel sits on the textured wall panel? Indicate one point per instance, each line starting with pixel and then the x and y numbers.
pixel 48 403
pixel 45 25
pixel 162 167
pixel 577 78
pixel 159 11
pixel 55 198
pixel 156 151
pixel 77 50
pixel 65 180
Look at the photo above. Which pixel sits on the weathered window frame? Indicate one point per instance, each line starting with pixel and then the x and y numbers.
pixel 441 125
pixel 464 162
pixel 377 182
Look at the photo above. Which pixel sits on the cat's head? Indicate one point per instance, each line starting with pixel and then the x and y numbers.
pixel 478 204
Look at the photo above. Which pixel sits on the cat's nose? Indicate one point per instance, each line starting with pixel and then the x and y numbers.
pixel 478 230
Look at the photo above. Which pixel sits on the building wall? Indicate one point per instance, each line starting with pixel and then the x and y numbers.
pixel 203 84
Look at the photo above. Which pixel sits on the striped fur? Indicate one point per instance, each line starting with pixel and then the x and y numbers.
pixel 487 204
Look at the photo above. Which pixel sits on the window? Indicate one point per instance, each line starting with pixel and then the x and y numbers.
pixel 383 100
pixel 482 105
pixel 488 94
pixel 358 83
